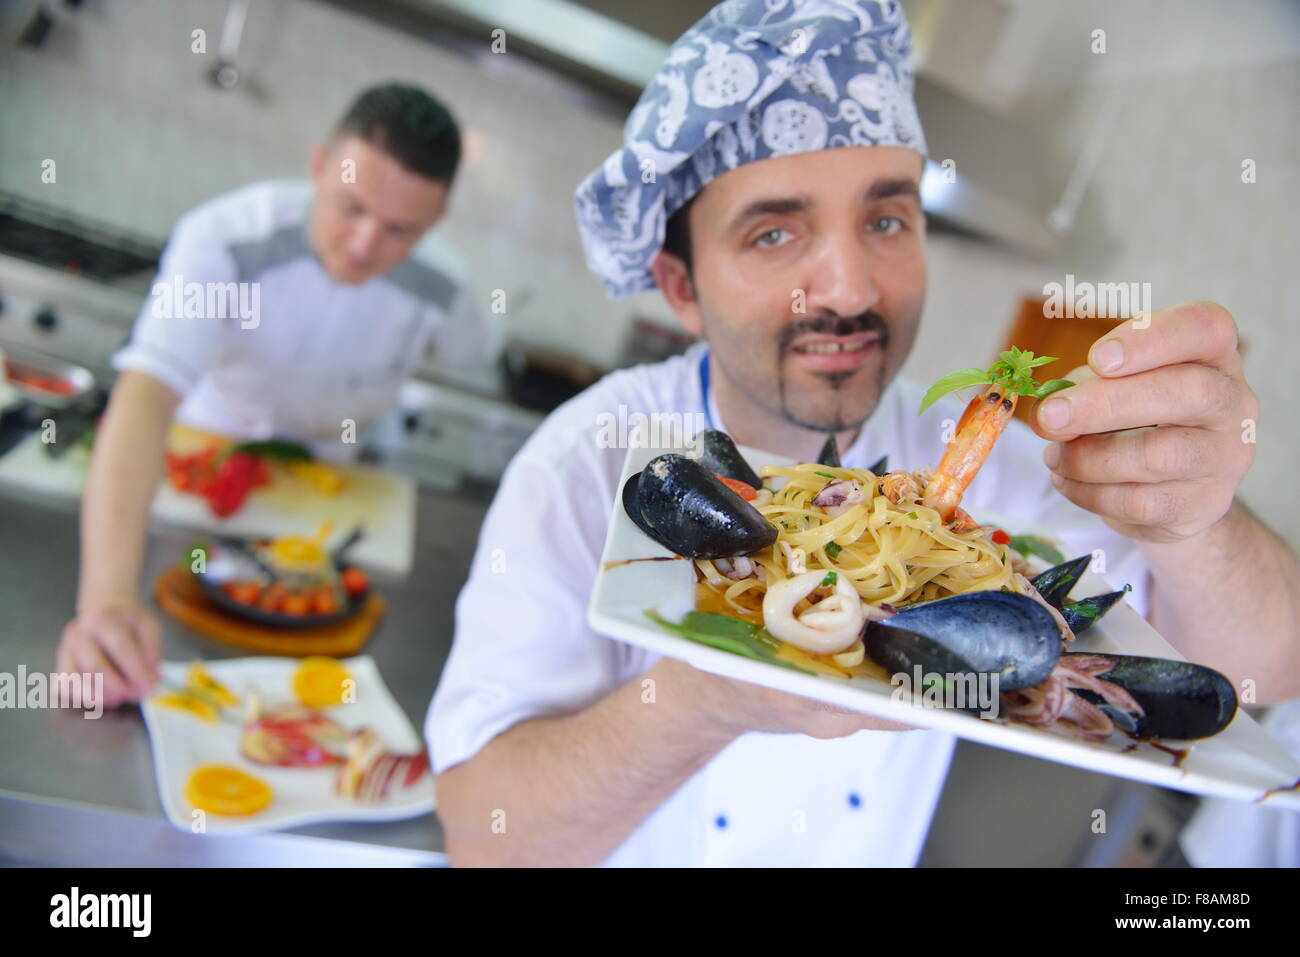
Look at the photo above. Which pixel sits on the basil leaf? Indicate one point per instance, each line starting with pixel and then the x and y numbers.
pixel 1033 545
pixel 961 379
pixel 1050 386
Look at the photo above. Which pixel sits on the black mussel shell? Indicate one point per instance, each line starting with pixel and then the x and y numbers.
pixel 683 507
pixel 830 453
pixel 720 456
pixel 633 509
pixel 1181 700
pixel 881 467
pixel 987 632
pixel 1055 583
pixel 1083 614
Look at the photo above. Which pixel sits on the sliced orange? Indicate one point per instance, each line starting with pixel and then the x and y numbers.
pixel 185 701
pixel 320 682
pixel 199 679
pixel 220 789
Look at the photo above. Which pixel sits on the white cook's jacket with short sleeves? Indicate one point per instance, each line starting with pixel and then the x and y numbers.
pixel 302 354
pixel 523 649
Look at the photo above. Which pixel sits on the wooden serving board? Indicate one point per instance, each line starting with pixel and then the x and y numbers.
pixel 381 502
pixel 179 596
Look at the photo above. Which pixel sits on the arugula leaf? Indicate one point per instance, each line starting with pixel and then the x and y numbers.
pixel 727 633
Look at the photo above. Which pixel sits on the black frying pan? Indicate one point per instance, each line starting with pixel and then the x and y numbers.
pixel 352 603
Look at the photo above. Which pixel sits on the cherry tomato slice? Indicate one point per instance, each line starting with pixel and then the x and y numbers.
pixel 743 489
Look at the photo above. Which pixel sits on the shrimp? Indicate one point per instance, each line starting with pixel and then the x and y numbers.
pixel 981 424
pixel 983 421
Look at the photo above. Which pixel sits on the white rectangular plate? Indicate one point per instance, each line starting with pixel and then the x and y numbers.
pixel 182 742
pixel 1241 762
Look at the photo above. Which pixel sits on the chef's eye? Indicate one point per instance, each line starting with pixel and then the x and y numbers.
pixel 770 238
pixel 886 224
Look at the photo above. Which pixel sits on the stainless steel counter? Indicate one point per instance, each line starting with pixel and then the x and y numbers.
pixel 82 792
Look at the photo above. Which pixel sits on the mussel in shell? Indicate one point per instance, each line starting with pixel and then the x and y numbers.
pixel 1055 583
pixel 719 455
pixel 1179 699
pixel 986 632
pixel 682 506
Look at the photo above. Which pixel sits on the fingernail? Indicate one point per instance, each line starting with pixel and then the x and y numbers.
pixel 1055 413
pixel 1109 355
pixel 1052 455
pixel 1057 480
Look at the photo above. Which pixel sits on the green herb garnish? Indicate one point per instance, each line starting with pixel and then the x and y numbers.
pixel 727 633
pixel 1033 545
pixel 830 579
pixel 833 549
pixel 1013 372
pixel 825 475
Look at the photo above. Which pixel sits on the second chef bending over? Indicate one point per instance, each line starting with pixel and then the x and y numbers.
pixel 339 291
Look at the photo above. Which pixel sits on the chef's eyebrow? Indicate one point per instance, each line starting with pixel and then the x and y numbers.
pixel 885 188
pixel 774 206
pixel 778 205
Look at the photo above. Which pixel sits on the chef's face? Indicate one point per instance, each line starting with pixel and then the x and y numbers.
pixel 370 210
pixel 807 279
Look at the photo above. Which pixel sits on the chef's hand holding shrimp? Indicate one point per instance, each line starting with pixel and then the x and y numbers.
pixel 1157 434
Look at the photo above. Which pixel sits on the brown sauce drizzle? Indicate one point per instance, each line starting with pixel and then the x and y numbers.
pixel 658 558
pixel 1180 754
pixel 1271 791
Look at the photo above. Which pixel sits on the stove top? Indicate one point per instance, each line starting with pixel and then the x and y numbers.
pixel 44 235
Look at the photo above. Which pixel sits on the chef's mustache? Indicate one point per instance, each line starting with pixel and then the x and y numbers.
pixel 868 321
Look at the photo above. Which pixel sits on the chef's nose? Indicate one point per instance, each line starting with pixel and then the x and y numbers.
pixel 842 279
pixel 363 238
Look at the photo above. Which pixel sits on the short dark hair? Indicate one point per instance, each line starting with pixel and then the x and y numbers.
pixel 409 125
pixel 677 234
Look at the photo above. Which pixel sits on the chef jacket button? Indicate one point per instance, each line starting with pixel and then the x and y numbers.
pixel 721 822
pixel 854 800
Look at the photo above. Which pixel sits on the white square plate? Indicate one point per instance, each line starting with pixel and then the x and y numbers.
pixel 182 742
pixel 1241 762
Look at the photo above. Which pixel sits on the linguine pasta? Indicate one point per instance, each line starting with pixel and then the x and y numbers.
pixel 895 554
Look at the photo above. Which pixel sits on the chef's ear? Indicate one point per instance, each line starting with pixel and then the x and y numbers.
pixel 674 281
pixel 316 160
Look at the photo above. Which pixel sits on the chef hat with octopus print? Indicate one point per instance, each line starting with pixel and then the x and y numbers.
pixel 752 80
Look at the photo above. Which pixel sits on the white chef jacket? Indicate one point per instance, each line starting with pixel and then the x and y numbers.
pixel 1226 833
pixel 523 649
pixel 318 351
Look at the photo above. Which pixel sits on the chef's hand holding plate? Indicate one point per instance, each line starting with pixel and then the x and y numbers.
pixel 1158 432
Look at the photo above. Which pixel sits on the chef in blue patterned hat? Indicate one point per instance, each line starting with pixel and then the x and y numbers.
pixel 769 187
